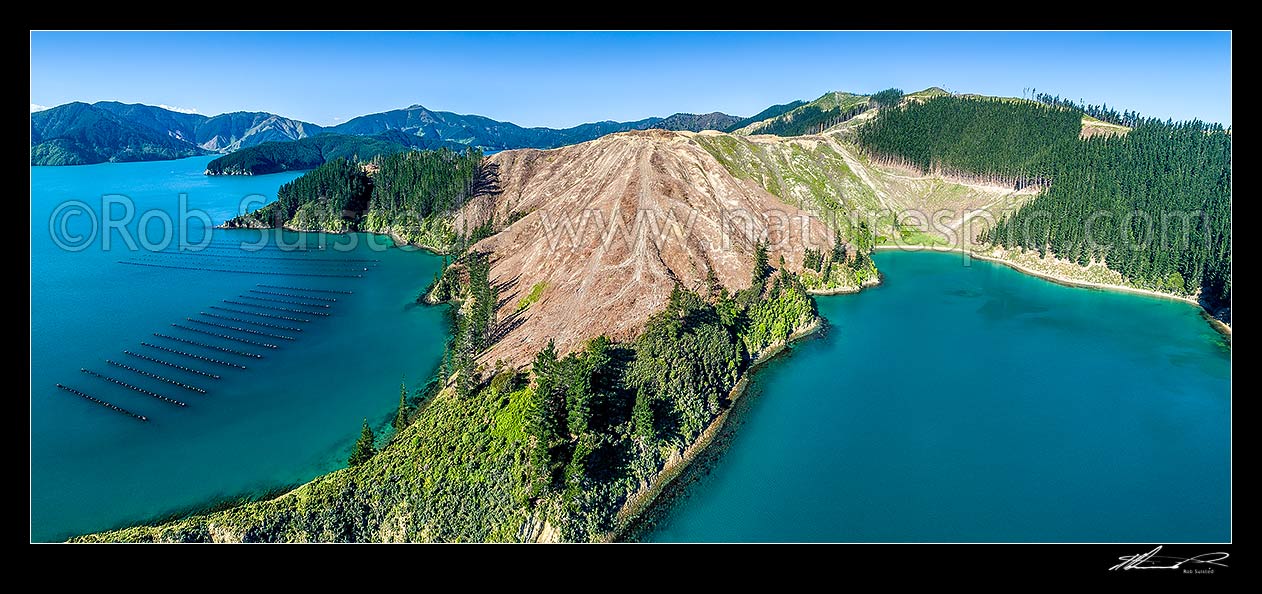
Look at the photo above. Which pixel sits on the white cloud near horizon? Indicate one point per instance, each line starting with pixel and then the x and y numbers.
pixel 179 109
pixel 37 107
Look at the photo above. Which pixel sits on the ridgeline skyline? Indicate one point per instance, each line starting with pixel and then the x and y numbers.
pixel 562 79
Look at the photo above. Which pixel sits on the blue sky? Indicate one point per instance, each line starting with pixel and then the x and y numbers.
pixel 562 79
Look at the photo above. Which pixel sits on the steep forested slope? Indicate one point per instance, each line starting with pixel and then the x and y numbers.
pixel 309 153
pixel 1153 204
pixel 80 134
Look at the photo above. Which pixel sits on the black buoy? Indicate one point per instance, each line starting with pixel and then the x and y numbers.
pixel 260 314
pixel 225 336
pixel 103 403
pixel 311 297
pixel 124 384
pixel 181 367
pixel 174 366
pixel 256 323
pixel 239 271
pixel 208 346
pixel 287 302
pixel 338 291
pixel 238 329
pixel 277 308
pixel 156 376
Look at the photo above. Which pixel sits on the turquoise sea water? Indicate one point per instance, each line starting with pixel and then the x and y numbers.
pixel 285 419
pixel 974 403
pixel 951 404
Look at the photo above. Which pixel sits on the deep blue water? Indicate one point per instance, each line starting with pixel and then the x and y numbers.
pixel 951 404
pixel 285 419
pixel 974 403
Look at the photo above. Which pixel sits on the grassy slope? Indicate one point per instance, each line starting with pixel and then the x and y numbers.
pixel 928 93
pixel 923 197
pixel 455 474
pixel 832 179
pixel 809 173
pixel 825 103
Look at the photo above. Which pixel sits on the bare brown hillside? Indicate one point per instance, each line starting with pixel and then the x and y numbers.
pixel 609 226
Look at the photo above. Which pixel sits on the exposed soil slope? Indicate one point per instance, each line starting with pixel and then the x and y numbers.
pixel 611 225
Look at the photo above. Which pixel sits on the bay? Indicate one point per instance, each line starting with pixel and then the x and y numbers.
pixel 287 418
pixel 963 401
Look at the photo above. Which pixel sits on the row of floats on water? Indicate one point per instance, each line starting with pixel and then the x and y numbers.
pixel 209 260
pixel 261 318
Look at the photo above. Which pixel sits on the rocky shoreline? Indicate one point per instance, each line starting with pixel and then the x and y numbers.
pixel 642 500
pixel 1218 324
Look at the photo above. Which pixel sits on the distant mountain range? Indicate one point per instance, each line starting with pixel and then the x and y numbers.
pixel 77 134
pixel 489 134
pixel 82 133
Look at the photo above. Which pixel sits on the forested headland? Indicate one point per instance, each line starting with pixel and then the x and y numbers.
pixel 552 452
pixel 406 194
pixel 1153 204
pixel 312 152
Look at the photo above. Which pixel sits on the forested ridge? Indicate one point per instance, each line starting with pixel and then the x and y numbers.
pixel 816 116
pixel 81 134
pixel 1153 204
pixel 407 194
pixel 109 131
pixel 311 152
pixel 1100 112
pixel 1005 142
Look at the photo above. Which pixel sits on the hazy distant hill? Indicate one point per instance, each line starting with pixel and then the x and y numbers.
pixel 475 130
pixel 691 122
pixel 79 134
pixel 241 129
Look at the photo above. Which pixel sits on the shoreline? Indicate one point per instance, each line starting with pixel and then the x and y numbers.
pixel 1065 281
pixel 642 500
pixel 845 290
pixel 398 241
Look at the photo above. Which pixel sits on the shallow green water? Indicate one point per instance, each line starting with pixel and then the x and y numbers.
pixel 285 419
pixel 975 403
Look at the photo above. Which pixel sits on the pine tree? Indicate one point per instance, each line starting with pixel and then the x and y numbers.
pixel 546 421
pixel 1160 172
pixel 761 266
pixel 463 359
pixel 887 98
pixel 401 418
pixel 364 448
pixel 578 394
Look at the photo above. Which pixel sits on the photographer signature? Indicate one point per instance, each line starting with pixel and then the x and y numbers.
pixel 1151 560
